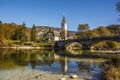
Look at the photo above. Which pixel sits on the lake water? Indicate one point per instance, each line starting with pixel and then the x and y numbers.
pixel 60 61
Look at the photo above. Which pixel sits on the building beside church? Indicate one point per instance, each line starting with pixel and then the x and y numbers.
pixel 46 33
pixel 52 35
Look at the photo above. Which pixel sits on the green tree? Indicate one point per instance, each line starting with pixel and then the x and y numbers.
pixel 103 31
pixel 93 33
pixel 114 29
pixel 33 36
pixel 83 27
pixel 82 35
pixel 112 44
pixel 118 8
pixel 62 34
pixel 74 36
pixel 2 37
pixel 7 30
pixel 17 33
pixel 22 32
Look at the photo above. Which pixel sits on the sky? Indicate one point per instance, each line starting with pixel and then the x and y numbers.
pixel 50 12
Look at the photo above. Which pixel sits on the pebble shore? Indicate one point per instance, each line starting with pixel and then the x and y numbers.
pixel 39 75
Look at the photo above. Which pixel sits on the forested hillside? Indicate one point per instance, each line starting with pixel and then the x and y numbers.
pixel 13 32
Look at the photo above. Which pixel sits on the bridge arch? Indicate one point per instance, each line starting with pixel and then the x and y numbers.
pixel 86 42
pixel 73 45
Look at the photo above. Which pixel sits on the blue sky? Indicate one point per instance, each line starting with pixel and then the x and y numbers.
pixel 49 12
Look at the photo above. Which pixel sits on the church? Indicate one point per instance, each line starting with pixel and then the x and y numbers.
pixel 54 34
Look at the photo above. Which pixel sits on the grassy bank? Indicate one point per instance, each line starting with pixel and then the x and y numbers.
pixel 113 73
pixel 18 44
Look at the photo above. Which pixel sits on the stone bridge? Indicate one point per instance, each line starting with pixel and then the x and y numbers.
pixel 86 42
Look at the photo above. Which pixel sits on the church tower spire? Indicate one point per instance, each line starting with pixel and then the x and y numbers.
pixel 64 29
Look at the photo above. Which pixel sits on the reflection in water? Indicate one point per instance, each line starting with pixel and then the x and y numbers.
pixel 48 60
pixel 25 57
pixel 75 51
pixel 64 65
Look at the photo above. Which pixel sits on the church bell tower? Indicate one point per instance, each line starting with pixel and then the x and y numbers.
pixel 64 29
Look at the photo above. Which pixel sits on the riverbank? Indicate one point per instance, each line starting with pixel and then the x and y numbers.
pixel 113 73
pixel 107 51
pixel 41 75
pixel 22 47
pixel 28 45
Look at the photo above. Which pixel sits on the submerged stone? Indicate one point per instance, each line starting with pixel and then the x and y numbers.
pixel 63 79
pixel 73 76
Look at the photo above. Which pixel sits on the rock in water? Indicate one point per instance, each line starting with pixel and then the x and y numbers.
pixel 73 76
pixel 63 79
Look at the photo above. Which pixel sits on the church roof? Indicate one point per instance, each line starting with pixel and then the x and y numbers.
pixel 49 35
pixel 56 33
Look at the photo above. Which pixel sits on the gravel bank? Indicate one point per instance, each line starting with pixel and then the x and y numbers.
pixel 40 75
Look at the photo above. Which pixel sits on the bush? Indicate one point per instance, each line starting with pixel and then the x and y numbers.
pixel 112 73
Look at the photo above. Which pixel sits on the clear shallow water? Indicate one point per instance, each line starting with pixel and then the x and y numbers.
pixel 46 60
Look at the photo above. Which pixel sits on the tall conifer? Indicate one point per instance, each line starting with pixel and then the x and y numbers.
pixel 33 34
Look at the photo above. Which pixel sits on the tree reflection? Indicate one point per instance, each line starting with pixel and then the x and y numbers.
pixel 6 59
pixel 48 58
pixel 25 57
pixel 89 65
pixel 33 59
